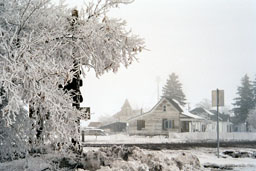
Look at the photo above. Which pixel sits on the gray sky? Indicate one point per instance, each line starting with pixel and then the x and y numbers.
pixel 209 44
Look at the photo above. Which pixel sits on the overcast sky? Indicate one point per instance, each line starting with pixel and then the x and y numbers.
pixel 209 44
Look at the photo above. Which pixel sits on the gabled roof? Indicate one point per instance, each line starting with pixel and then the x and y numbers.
pixel 200 110
pixel 126 104
pixel 208 114
pixel 224 117
pixel 125 109
pixel 207 111
pixel 186 112
pixel 177 106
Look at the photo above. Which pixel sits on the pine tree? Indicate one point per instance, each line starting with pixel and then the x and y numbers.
pixel 244 102
pixel 173 89
pixel 252 118
pixel 254 92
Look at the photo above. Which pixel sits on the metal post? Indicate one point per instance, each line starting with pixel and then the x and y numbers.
pixel 82 136
pixel 218 140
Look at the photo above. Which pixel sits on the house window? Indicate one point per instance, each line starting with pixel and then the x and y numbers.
pixel 164 108
pixel 203 128
pixel 140 124
pixel 167 124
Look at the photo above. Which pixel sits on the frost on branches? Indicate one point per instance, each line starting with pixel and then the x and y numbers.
pixel 39 43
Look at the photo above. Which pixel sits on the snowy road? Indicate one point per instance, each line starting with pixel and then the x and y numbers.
pixel 174 145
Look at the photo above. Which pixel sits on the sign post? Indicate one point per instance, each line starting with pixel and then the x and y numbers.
pixel 218 100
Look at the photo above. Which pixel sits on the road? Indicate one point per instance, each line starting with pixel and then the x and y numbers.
pixel 180 146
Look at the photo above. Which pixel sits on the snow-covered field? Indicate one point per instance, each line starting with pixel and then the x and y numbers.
pixel 207 156
pixel 115 159
pixel 133 158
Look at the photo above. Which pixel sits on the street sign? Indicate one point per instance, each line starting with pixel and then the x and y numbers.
pixel 86 113
pixel 220 100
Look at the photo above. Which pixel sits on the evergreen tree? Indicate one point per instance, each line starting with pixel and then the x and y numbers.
pixel 254 92
pixel 173 89
pixel 244 102
pixel 252 119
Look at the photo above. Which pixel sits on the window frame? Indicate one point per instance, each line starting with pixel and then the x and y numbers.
pixel 167 124
pixel 164 108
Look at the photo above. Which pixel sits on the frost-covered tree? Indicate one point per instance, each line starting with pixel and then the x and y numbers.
pixel 13 138
pixel 39 42
pixel 244 102
pixel 173 89
pixel 205 103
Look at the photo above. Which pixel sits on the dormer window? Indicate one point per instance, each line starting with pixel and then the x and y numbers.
pixel 164 108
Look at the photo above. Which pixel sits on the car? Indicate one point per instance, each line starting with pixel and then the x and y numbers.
pixel 96 132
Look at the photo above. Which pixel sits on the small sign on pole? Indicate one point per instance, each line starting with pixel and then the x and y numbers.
pixel 218 100
pixel 86 113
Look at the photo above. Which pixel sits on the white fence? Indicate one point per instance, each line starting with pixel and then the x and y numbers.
pixel 224 136
pixel 173 138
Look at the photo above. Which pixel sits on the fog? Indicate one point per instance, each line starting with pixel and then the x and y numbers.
pixel 208 44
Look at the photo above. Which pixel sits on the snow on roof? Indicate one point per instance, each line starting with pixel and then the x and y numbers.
pixel 176 104
pixel 186 112
pixel 207 111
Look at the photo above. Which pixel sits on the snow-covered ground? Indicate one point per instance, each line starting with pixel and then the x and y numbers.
pixel 133 159
pixel 207 156
pixel 115 159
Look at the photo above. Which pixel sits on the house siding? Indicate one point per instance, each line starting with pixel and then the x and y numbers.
pixel 154 121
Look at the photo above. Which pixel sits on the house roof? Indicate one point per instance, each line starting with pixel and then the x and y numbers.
pixel 224 117
pixel 113 123
pixel 210 114
pixel 176 104
pixel 126 104
pixel 186 112
pixel 126 109
pixel 200 110
pixel 94 124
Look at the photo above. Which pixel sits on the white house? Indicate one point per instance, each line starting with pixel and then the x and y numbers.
pixel 166 116
pixel 210 120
